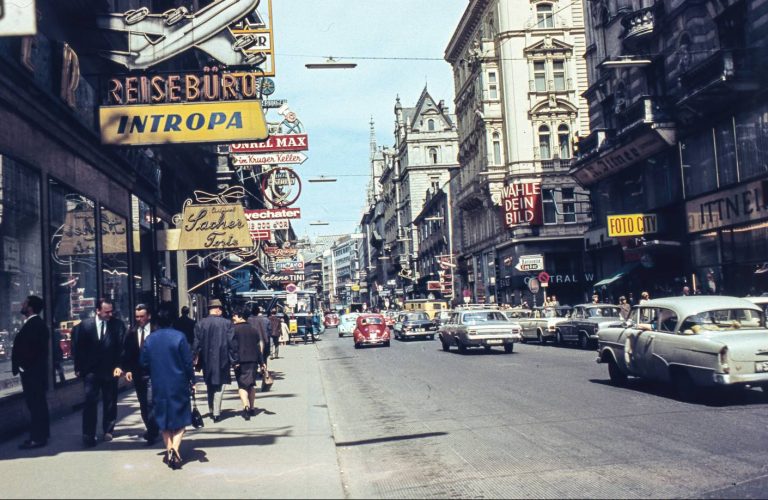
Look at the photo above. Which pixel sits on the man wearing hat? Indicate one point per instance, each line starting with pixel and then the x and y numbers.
pixel 216 349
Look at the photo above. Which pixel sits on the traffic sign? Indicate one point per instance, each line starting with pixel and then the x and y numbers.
pixel 292 299
pixel 291 288
pixel 530 263
pixel 543 277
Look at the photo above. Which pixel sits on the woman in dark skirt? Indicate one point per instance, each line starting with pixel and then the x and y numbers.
pixel 168 360
pixel 251 359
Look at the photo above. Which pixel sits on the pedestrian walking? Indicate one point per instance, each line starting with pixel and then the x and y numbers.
pixel 644 297
pixel 314 326
pixel 624 308
pixel 595 298
pixel 285 333
pixel 215 348
pixel 260 323
pixel 166 357
pixel 186 325
pixel 134 372
pixel 29 359
pixel 97 362
pixel 274 332
pixel 250 360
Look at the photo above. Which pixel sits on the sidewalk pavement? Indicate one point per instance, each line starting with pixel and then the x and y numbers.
pixel 286 451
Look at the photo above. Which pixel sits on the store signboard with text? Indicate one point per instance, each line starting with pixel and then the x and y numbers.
pixel 521 204
pixel 631 225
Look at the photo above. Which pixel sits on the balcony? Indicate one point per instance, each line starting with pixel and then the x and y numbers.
pixel 645 110
pixel 719 80
pixel 639 25
pixel 471 196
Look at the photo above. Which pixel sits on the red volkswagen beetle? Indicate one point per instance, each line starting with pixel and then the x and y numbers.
pixel 331 320
pixel 371 329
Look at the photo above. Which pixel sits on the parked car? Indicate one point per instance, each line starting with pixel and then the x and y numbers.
pixel 691 342
pixel 331 320
pixel 541 324
pixel 414 324
pixel 347 324
pixel 584 323
pixel 479 328
pixel 371 329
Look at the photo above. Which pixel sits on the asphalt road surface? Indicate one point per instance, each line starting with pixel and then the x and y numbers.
pixel 412 421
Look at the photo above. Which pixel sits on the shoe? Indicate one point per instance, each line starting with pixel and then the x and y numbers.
pixel 30 444
pixel 167 458
pixel 216 419
pixel 247 413
pixel 89 441
pixel 174 462
pixel 252 412
pixel 108 437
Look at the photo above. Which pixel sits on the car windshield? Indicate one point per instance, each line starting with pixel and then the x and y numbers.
pixel 371 321
pixel 723 320
pixel 555 313
pixel 603 312
pixel 483 317
pixel 417 317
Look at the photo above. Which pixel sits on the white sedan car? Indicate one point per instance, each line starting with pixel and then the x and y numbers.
pixel 347 324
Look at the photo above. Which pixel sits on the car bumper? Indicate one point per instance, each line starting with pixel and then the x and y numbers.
pixel 730 379
pixel 376 341
pixel 488 341
pixel 426 333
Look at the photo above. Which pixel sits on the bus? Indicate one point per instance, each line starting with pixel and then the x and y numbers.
pixel 299 315
pixel 431 307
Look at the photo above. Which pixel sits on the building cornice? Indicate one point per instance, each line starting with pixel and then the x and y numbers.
pixel 471 17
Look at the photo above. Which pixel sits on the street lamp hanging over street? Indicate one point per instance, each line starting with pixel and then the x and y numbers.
pixel 322 178
pixel 330 63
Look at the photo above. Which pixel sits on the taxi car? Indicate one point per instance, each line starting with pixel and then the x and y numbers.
pixel 347 324
pixel 541 324
pixel 483 327
pixel 371 329
pixel 414 324
pixel 693 343
pixel 585 322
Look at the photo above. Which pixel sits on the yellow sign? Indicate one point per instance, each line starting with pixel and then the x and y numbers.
pixel 631 225
pixel 175 123
pixel 214 227
pixel 355 288
pixel 293 326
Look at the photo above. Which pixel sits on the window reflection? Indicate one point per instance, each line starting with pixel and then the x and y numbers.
pixel 114 243
pixel 143 283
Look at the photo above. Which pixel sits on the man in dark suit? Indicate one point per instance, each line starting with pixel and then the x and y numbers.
pixel 29 358
pixel 216 349
pixel 261 324
pixel 131 366
pixel 97 362
pixel 186 325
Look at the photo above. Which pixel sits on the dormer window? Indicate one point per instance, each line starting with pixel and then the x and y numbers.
pixel 545 16
pixel 431 125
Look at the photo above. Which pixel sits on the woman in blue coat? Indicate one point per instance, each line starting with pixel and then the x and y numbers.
pixel 167 358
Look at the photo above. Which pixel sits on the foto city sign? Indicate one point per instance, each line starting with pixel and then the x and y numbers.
pixel 181 123
pixel 521 204
pixel 276 143
pixel 631 225
pixel 214 227
pixel 240 160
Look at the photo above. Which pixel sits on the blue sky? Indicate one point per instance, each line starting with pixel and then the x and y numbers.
pixel 336 106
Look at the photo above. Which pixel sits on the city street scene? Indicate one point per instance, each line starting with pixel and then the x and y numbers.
pixel 403 249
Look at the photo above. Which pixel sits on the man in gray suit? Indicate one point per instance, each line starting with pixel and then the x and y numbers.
pixel 216 349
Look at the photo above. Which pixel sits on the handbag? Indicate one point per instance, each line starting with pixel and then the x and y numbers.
pixel 197 418
pixel 266 380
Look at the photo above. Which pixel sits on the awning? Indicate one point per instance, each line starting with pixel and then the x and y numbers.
pixel 625 270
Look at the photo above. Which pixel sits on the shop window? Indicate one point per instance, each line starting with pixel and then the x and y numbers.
pixel 752 142
pixel 114 259
pixel 545 150
pixel 558 74
pixel 569 205
pixel 73 267
pixel 493 89
pixel 21 257
pixel 564 141
pixel 540 76
pixel 698 159
pixel 142 219
pixel 725 142
pixel 496 148
pixel 662 180
pixel 544 16
pixel 548 205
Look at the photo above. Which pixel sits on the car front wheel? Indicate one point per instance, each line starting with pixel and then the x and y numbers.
pixel 583 341
pixel 618 377
pixel 462 347
pixel 508 348
pixel 446 346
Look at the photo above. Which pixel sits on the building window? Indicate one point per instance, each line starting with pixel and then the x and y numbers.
pixel 558 74
pixel 496 148
pixel 752 142
pixel 564 141
pixel 698 162
pixel 548 205
pixel 545 150
pixel 21 265
pixel 431 125
pixel 114 252
pixel 540 76
pixel 544 16
pixel 569 205
pixel 493 90
pixel 725 143
pixel 433 155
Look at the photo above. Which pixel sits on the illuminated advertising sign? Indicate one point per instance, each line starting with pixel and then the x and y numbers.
pixel 275 143
pixel 631 225
pixel 521 204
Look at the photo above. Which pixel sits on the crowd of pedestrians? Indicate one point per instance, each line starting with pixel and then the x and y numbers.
pixel 158 355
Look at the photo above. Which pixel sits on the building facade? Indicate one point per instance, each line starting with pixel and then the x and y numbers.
pixel 678 114
pixel 518 77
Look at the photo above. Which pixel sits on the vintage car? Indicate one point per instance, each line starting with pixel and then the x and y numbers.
pixel 691 342
pixel 347 323
pixel 479 328
pixel 331 320
pixel 584 323
pixel 541 324
pixel 371 329
pixel 516 313
pixel 761 301
pixel 414 324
